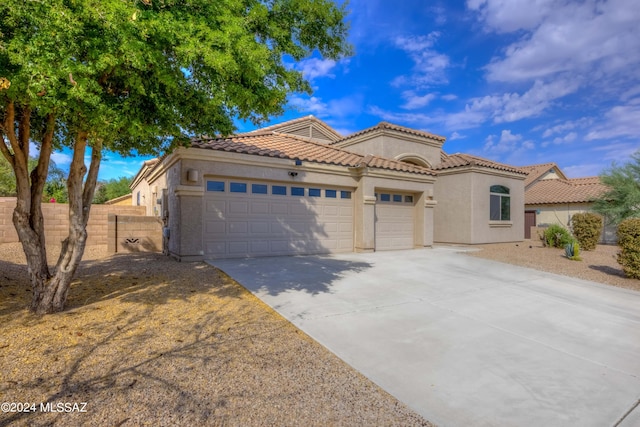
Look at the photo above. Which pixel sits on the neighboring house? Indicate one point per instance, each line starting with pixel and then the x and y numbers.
pixel 121 201
pixel 552 198
pixel 300 187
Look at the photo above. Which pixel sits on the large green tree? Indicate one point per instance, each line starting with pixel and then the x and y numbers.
pixel 55 186
pixel 112 188
pixel 622 200
pixel 137 74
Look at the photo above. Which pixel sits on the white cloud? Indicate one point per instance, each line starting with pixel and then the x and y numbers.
pixel 313 68
pixel 429 65
pixel 619 122
pixel 456 135
pixel 414 101
pixel 511 15
pixel 587 38
pixel 583 170
pixel 559 128
pixel 449 97
pixel 61 160
pixel 570 137
pixel 508 143
pixel 630 93
pixel 309 105
pixel 341 107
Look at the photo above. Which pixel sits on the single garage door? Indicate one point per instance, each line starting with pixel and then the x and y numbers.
pixel 253 218
pixel 394 221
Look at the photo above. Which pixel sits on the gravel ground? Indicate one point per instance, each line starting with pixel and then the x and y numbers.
pixel 599 265
pixel 146 340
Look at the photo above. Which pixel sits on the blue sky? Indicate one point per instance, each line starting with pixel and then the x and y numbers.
pixel 515 81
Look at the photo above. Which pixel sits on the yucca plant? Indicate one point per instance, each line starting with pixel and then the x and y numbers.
pixel 572 250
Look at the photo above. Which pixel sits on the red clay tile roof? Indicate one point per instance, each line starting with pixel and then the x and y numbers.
pixel 555 191
pixel 536 171
pixel 286 146
pixel 391 126
pixel 284 126
pixel 458 160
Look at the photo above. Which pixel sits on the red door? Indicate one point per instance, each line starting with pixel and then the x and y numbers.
pixel 529 221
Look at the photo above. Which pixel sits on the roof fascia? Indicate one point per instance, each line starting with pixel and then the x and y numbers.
pixel 481 169
pixel 373 133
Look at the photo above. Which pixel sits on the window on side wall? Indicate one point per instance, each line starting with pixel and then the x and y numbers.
pixel 500 203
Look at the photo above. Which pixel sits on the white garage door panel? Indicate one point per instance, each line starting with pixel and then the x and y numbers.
pixel 394 226
pixel 259 207
pixel 246 224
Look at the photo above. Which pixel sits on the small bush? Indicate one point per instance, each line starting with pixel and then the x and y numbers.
pixel 556 236
pixel 629 242
pixel 572 250
pixel 587 228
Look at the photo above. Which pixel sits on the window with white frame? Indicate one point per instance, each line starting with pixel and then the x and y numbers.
pixel 500 203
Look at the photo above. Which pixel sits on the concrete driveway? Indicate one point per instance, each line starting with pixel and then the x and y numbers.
pixel 465 341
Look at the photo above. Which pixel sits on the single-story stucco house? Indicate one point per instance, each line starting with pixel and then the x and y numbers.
pixel 552 198
pixel 300 187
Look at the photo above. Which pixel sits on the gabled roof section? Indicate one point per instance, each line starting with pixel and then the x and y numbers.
pixel 386 126
pixel 309 126
pixel 536 172
pixel 561 191
pixel 287 146
pixel 145 170
pixel 461 160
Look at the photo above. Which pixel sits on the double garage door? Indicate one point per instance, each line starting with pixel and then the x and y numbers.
pixel 252 218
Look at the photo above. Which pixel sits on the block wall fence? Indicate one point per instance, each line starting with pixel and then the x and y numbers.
pixel 56 222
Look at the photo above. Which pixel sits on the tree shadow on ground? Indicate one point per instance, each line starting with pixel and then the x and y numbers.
pixel 148 340
pixel 132 322
pixel 313 274
pixel 144 278
pixel 611 271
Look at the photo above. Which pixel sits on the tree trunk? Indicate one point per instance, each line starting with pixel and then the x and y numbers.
pixel 50 294
pixel 49 290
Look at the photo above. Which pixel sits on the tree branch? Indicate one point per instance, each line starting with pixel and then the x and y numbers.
pixel 39 174
pixel 92 178
pixel 5 150
pixel 24 131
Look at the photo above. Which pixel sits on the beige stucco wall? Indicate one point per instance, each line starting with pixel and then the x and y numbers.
pixel 56 221
pixel 452 214
pixel 562 213
pixel 186 198
pixel 396 147
pixel 462 212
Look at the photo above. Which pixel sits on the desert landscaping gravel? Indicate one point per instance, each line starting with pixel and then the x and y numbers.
pixel 599 265
pixel 146 340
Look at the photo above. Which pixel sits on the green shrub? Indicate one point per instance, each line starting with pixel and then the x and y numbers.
pixel 629 242
pixel 556 236
pixel 587 228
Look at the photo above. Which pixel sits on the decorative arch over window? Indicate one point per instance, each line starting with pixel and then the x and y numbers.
pixel 413 159
pixel 500 203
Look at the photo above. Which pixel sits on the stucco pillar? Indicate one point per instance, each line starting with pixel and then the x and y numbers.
pixel 188 242
pixel 429 225
pixel 365 223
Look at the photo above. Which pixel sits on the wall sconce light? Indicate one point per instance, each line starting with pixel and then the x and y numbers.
pixel 192 175
pixel 537 211
pixel 293 174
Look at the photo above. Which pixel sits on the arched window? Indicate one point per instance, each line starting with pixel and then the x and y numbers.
pixel 500 203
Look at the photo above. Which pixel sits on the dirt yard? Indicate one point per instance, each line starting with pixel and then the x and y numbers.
pixel 599 265
pixel 146 340
pixel 150 341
